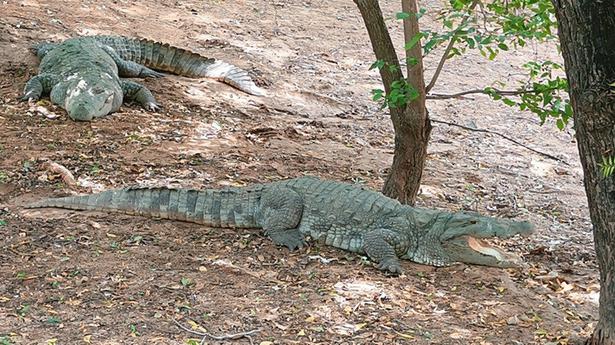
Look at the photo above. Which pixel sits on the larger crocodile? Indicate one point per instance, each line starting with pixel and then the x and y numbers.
pixel 82 74
pixel 339 214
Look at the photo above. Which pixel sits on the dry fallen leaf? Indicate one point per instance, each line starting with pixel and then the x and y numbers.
pixel 67 176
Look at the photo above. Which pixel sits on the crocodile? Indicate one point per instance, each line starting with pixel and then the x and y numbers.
pixel 82 74
pixel 338 214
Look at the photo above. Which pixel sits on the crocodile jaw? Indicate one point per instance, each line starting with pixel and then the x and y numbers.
pixel 472 250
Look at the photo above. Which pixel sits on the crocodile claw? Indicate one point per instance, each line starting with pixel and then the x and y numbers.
pixel 150 73
pixel 151 106
pixel 390 264
pixel 29 97
pixel 292 239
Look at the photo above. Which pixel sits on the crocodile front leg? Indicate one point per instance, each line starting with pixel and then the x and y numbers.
pixel 380 245
pixel 280 212
pixel 140 94
pixel 38 86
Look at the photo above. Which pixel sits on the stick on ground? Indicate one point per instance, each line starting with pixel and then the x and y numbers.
pixel 503 136
pixel 219 337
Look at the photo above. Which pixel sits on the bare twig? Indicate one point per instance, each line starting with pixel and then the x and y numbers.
pixel 436 74
pixel 483 91
pixel 448 49
pixel 503 136
pixel 219 337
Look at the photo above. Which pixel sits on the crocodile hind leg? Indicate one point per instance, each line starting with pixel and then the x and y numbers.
pixel 379 246
pixel 140 94
pixel 38 86
pixel 280 213
pixel 128 69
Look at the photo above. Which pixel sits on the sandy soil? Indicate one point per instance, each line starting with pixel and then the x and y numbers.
pixel 75 277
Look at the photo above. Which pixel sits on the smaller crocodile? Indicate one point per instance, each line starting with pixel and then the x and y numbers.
pixel 337 214
pixel 82 74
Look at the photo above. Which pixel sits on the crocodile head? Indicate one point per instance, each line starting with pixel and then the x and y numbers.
pixel 91 98
pixel 460 237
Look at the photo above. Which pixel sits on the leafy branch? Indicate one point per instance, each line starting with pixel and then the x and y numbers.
pixel 400 93
pixel 486 91
pixel 449 47
pixel 544 93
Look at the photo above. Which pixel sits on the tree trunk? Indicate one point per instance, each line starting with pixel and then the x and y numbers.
pixel 411 124
pixel 587 37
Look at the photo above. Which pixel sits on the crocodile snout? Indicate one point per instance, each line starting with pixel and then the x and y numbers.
pixel 80 112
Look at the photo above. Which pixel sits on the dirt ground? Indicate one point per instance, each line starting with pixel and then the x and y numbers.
pixel 92 278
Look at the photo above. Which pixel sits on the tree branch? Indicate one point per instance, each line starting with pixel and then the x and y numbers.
pixel 496 91
pixel 503 136
pixel 381 42
pixel 415 74
pixel 448 49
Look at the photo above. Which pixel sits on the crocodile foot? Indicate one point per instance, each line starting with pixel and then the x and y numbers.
pixel 150 73
pixel 29 97
pixel 391 265
pixel 292 239
pixel 152 106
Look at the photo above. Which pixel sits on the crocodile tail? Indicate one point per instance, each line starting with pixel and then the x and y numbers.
pixel 167 58
pixel 226 208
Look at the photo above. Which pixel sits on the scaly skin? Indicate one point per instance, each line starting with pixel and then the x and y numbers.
pixel 82 74
pixel 334 213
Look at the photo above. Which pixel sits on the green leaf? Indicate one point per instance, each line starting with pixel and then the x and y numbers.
pixel 393 68
pixel 413 41
pixel 454 52
pixel 503 46
pixel 470 42
pixel 377 64
pixel 53 320
pixel 23 310
pixel 509 102
pixel 377 94
pixel 457 4
pixel 421 13
pixel 492 53
pixel 186 282
pixel 607 166
pixel 412 61
pixel 402 15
